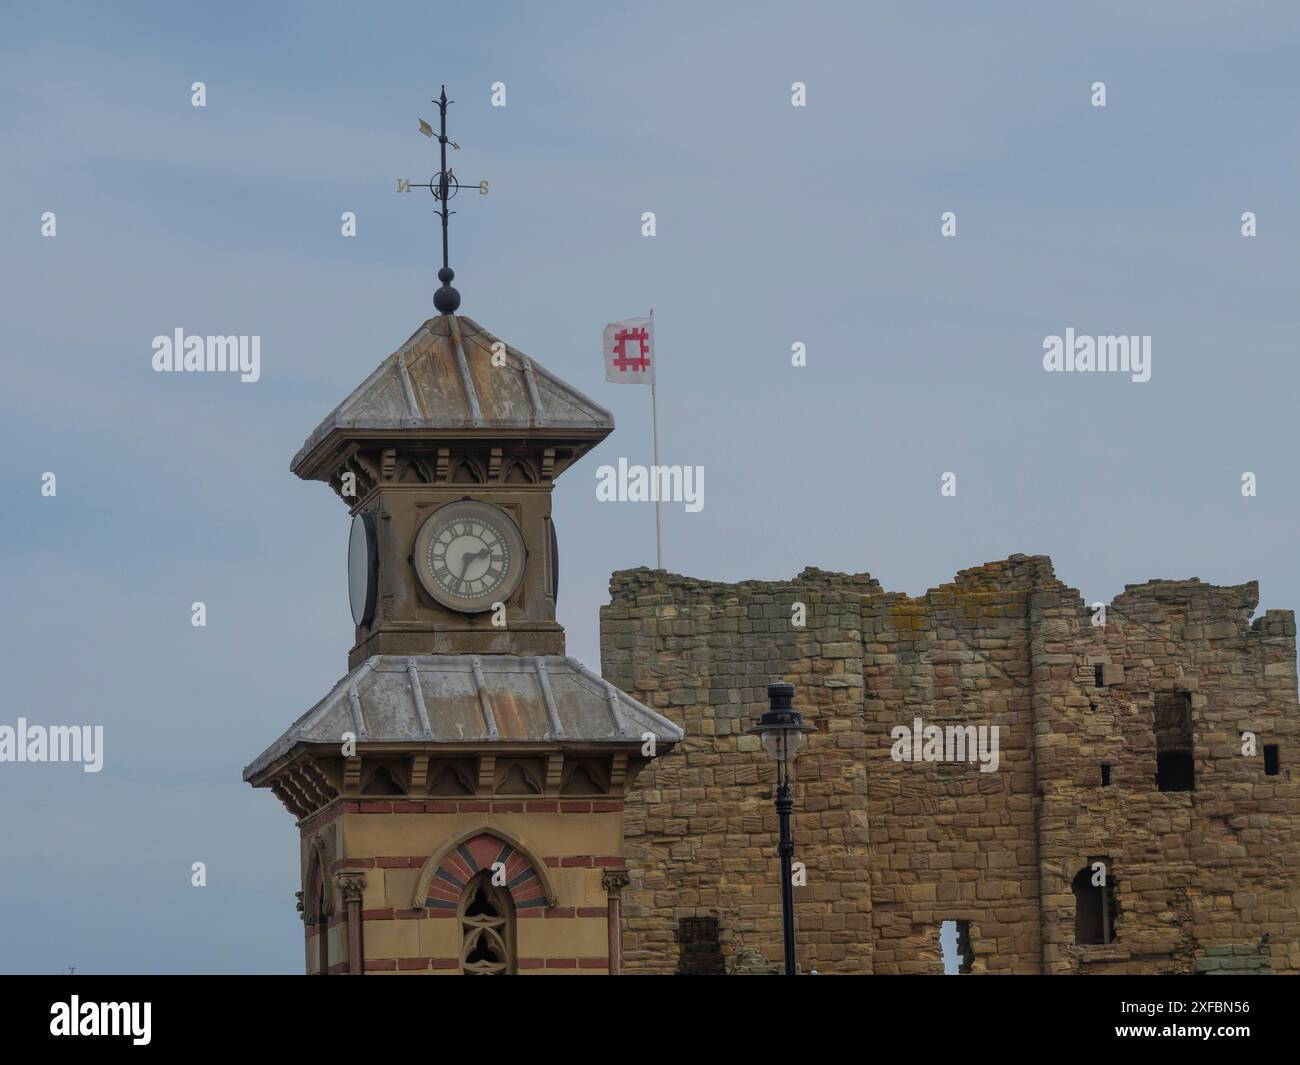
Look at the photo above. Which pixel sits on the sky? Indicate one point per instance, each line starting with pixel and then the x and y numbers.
pixel 776 225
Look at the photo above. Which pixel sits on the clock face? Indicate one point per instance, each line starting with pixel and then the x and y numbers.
pixel 363 569
pixel 469 555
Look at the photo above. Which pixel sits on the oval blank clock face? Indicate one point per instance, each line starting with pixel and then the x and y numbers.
pixel 363 569
pixel 469 555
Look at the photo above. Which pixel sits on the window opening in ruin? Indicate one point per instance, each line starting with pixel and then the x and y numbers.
pixel 954 944
pixel 1095 906
pixel 1097 683
pixel 1105 775
pixel 1272 760
pixel 1175 769
pixel 700 951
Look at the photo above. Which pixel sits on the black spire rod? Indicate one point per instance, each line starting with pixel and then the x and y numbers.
pixel 444 186
pixel 446 299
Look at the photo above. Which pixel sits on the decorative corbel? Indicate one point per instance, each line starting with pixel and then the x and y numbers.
pixel 618 773
pixel 419 774
pixel 487 765
pixel 554 772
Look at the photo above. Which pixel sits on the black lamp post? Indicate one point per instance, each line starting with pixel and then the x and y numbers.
pixel 782 729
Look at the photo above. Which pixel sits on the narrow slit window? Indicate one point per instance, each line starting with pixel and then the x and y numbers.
pixel 1272 760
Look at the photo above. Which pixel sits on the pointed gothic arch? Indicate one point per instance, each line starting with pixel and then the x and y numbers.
pixel 467 471
pixel 445 876
pixel 317 907
pixel 519 471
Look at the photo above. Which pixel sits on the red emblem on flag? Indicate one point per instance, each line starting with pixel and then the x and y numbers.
pixel 629 351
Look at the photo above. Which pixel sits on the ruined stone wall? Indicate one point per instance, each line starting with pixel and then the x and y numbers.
pixel 949 841
pixel 1213 868
pixel 893 848
pixel 700 828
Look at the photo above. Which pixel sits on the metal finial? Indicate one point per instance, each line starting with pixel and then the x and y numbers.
pixel 444 185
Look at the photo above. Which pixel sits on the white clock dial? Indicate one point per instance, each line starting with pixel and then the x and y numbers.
pixel 469 555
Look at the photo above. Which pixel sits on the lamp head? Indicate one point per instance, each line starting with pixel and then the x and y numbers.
pixel 782 727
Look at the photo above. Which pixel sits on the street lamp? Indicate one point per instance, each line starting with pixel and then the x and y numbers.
pixel 782 729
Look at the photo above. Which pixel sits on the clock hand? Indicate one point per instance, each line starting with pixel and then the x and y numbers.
pixel 468 555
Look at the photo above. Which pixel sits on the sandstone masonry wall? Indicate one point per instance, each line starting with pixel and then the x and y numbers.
pixel 894 848
pixel 700 827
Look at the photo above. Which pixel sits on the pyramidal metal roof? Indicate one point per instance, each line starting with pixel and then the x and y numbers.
pixel 443 379
pixel 471 699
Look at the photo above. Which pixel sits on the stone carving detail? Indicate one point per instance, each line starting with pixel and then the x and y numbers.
pixel 351 886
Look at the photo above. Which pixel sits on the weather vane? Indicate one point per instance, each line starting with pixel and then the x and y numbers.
pixel 444 186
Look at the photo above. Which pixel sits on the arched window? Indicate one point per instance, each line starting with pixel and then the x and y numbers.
pixel 317 918
pixel 487 921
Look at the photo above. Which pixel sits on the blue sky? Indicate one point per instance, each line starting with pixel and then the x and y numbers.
pixel 775 225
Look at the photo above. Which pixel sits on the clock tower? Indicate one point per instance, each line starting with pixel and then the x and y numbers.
pixel 447 455
pixel 459 793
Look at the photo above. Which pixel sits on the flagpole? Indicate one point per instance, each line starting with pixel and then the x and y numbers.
pixel 654 417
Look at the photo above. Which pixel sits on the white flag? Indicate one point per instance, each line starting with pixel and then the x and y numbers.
pixel 630 351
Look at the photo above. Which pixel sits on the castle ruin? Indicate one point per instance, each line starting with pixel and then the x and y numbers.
pixel 1151 741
